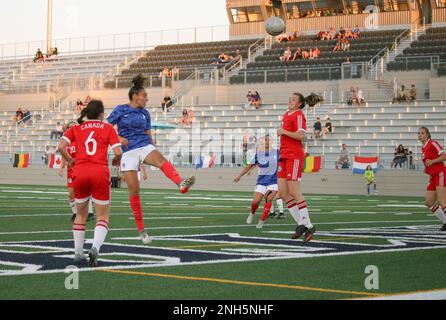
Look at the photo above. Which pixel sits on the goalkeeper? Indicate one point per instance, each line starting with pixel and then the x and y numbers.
pixel 370 179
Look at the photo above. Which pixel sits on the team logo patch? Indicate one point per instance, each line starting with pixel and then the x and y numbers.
pixel 53 256
pixel 70 180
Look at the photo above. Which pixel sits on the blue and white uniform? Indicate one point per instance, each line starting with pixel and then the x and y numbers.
pixel 132 125
pixel 268 166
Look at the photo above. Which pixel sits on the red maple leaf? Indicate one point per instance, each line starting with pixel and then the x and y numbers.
pixel 58 161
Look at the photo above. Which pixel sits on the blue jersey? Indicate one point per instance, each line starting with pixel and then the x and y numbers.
pixel 132 125
pixel 268 167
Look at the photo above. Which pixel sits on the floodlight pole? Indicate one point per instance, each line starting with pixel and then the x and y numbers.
pixel 49 26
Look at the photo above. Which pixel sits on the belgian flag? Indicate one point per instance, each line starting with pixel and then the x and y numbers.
pixel 21 160
pixel 312 164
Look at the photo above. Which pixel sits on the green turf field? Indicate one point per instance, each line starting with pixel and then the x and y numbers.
pixel 204 250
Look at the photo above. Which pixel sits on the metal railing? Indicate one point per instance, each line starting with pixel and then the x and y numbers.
pixel 116 42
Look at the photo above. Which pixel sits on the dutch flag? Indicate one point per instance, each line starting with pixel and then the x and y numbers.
pixel 361 164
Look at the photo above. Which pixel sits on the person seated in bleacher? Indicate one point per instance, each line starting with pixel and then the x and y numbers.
pixel 401 96
pixel 297 54
pixel 332 34
pixel 348 33
pixel 314 53
pixel 347 60
pixel 18 115
pixel 57 133
pixel 282 38
pixel 187 118
pixel 164 73
pixel 286 56
pixel 46 155
pixel 343 161
pixel 356 32
pixel 317 128
pixel 359 98
pixel 338 46
pixel 400 157
pixel 328 128
pixel 305 54
pixel 295 36
pixel 351 96
pixel 256 100
pixel 39 56
pixel 166 103
pixel 413 93
pixel 26 116
pixel 345 45
pixel 321 35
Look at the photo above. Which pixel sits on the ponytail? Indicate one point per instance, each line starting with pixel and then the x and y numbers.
pixel 92 111
pixel 311 100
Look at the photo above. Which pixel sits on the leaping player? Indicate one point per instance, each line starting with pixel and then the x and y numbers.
pixel 292 156
pixel 434 157
pixel 267 161
pixel 134 128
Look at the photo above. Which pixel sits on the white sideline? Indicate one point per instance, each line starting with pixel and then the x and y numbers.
pixel 417 295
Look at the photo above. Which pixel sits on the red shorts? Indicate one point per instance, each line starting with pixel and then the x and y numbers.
pixel 92 181
pixel 70 179
pixel 291 169
pixel 437 180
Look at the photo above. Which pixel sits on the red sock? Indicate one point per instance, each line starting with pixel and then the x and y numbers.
pixel 266 210
pixel 171 173
pixel 135 204
pixel 254 208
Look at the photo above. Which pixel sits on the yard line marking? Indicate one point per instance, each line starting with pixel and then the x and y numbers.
pixel 209 246
pixel 237 282
pixel 221 226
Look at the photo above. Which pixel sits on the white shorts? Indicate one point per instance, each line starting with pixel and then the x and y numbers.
pixel 264 189
pixel 132 160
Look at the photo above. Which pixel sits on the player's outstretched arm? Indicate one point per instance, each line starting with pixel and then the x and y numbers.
pixel 244 171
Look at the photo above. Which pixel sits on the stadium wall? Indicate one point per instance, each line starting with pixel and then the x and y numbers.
pixel 390 183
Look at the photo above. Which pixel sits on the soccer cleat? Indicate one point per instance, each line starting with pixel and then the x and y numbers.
pixel 309 235
pixel 93 256
pixel 443 228
pixel 145 238
pixel 272 215
pixel 79 259
pixel 73 217
pixel 281 216
pixel 250 219
pixel 91 217
pixel 300 230
pixel 186 184
pixel 260 224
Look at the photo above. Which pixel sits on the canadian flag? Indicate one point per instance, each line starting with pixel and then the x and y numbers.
pixel 55 161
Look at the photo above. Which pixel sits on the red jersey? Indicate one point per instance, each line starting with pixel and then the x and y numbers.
pixel 291 148
pixel 71 149
pixel 91 140
pixel 431 151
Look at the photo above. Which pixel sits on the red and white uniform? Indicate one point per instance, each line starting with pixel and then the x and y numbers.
pixel 91 175
pixel 431 151
pixel 71 149
pixel 292 153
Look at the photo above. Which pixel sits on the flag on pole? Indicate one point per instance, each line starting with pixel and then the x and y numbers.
pixel 361 163
pixel 204 162
pixel 312 164
pixel 21 160
pixel 55 161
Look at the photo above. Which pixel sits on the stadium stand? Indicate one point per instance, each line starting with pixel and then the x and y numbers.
pixel 326 67
pixel 185 57
pixel 422 54
pixel 59 71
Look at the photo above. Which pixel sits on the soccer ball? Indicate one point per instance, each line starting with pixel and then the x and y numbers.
pixel 275 26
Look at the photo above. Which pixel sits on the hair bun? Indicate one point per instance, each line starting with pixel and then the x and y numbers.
pixel 138 81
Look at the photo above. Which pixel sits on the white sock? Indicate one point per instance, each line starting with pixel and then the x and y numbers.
pixel 280 205
pixel 305 215
pixel 100 233
pixel 294 211
pixel 90 206
pixel 73 207
pixel 79 238
pixel 438 212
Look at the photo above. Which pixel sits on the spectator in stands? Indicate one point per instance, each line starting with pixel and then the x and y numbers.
pixel 187 118
pixel 295 36
pixel 345 44
pixel 321 35
pixel 356 32
pixel 286 55
pixel 348 33
pixel 402 95
pixel 305 54
pixel 347 60
pixel 317 128
pixel 332 34
pixel 174 72
pixel 314 53
pixel 342 32
pixel 18 115
pixel 328 128
pixel 79 106
pixel 46 155
pixel 281 38
pixel 164 73
pixel 351 97
pixel 338 46
pixel 26 116
pixel 343 161
pixel 166 103
pixel 359 98
pixel 256 100
pixel 413 93
pixel 297 54
pixel 400 157
pixel 58 132
pixel 39 56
